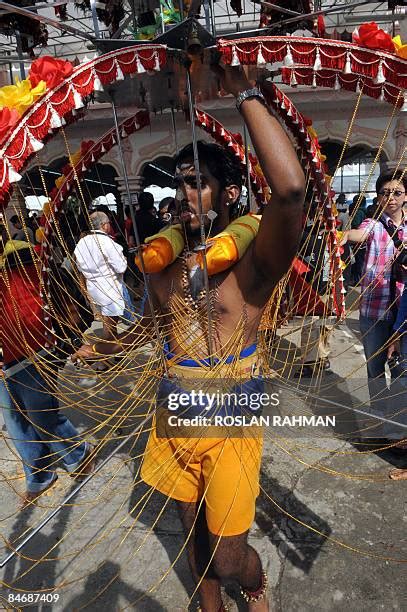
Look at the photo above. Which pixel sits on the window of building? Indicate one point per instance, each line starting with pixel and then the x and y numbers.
pixel 358 171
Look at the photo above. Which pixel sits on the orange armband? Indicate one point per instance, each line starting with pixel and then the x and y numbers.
pixel 230 246
pixel 161 250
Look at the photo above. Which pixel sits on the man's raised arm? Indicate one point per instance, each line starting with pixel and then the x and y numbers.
pixel 280 228
pixel 355 235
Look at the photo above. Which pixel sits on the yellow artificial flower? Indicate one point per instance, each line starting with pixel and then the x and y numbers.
pixel 60 181
pixel 21 95
pixel 40 235
pixel 401 48
pixel 46 209
pixel 75 157
pixel 311 131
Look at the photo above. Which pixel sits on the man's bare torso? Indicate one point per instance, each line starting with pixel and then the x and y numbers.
pixel 238 297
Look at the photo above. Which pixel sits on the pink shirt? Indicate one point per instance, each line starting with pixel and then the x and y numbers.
pixel 375 284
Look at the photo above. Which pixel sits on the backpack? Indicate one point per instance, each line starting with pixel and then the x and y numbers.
pixel 23 327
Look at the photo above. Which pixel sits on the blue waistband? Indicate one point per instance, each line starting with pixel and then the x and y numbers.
pixel 240 398
pixel 191 363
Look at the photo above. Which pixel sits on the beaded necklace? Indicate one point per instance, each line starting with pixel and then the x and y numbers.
pixel 191 300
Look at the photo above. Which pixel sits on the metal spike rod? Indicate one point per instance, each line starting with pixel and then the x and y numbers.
pixel 202 226
pixel 73 493
pixel 136 234
pixel 246 154
pixel 174 128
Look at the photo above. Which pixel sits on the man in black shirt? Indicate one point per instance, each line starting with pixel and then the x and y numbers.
pixel 146 218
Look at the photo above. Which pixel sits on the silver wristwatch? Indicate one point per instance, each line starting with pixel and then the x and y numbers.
pixel 254 92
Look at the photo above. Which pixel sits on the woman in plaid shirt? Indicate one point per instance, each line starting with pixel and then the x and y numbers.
pixel 381 288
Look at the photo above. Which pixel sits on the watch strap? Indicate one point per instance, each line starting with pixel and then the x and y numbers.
pixel 253 92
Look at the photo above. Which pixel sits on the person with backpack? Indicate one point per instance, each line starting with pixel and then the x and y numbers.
pixel 381 287
pixel 42 435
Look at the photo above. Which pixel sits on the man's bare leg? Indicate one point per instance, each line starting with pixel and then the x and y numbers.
pixel 235 559
pixel 398 474
pixel 199 554
pixel 110 327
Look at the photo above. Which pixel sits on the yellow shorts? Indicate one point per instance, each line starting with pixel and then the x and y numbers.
pixel 224 472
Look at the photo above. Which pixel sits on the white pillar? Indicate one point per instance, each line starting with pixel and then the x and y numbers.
pixel 400 141
pixel 16 205
pixel 136 184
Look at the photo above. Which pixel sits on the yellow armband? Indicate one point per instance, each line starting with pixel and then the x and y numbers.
pixel 226 248
pixel 230 245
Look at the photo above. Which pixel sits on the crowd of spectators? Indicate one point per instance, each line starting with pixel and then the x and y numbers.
pixel 86 279
pixel 382 281
pixel 98 248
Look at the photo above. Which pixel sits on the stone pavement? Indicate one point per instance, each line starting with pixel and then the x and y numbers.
pixel 330 526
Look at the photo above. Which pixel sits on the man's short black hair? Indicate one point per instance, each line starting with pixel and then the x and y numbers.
pixel 146 201
pixel 14 219
pixel 222 164
pixel 168 201
pixel 386 177
pixel 356 200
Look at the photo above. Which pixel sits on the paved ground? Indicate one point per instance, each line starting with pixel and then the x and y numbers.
pixel 330 526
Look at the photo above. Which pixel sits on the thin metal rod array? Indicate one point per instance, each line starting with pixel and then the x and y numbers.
pixel 266 30
pixel 137 236
pixel 58 25
pixel 213 20
pixel 201 222
pixel 332 9
pixel 246 154
pixel 305 393
pixel 174 127
pixel 95 18
pixel 20 55
pixel 73 493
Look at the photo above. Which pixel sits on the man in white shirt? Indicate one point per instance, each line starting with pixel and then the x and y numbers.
pixel 102 263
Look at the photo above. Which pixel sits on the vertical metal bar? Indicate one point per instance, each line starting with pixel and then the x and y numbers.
pixel 133 16
pixel 246 153
pixel 213 17
pixel 174 127
pixel 202 227
pixel 136 234
pixel 208 15
pixel 95 18
pixel 359 174
pixel 10 68
pixel 162 17
pixel 20 54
